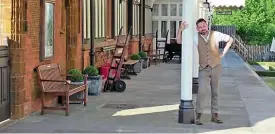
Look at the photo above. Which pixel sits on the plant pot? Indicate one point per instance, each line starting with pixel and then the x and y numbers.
pixel 94 85
pixel 145 62
pixel 138 66
pixel 78 95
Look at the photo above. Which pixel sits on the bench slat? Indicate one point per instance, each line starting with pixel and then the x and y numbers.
pixel 130 62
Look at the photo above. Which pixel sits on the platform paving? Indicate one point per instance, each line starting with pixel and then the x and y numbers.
pixel 150 105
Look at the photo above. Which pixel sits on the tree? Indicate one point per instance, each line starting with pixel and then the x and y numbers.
pixel 255 23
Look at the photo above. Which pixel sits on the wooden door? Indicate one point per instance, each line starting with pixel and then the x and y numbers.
pixel 5 29
pixel 4 83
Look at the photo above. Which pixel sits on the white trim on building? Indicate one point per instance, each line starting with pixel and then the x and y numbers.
pixel 166 15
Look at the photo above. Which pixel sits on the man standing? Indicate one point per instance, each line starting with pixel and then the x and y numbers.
pixel 207 42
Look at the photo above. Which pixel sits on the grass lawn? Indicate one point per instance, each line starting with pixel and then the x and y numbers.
pixel 270 68
pixel 266 64
pixel 270 81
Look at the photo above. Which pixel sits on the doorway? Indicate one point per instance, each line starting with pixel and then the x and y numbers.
pixel 5 25
pixel 4 83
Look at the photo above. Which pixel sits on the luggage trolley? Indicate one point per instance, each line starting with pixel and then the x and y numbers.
pixel 113 82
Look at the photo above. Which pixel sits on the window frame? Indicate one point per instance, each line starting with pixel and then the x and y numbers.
pixel 104 21
pixel 175 29
pixel 100 20
pixel 135 26
pixel 86 21
pixel 163 13
pixel 171 9
pixel 25 16
pixel 43 30
pixel 156 10
pixel 168 18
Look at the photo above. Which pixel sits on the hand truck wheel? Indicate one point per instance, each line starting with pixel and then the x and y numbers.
pixel 119 86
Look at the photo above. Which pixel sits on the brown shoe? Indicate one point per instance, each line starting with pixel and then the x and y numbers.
pixel 216 119
pixel 198 119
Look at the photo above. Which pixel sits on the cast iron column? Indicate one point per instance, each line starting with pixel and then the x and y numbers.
pixel 143 17
pixel 92 18
pixel 186 108
pixel 140 24
pixel 130 15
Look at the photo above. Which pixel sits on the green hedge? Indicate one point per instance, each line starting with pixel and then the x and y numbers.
pixel 266 73
pixel 251 62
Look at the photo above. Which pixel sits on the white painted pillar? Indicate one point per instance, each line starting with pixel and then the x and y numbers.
pixel 195 49
pixel 187 45
pixel 200 10
pixel 186 108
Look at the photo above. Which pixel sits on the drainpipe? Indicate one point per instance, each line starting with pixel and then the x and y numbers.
pixel 92 34
pixel 130 16
pixel 82 20
pixel 113 19
pixel 186 108
pixel 143 17
pixel 140 22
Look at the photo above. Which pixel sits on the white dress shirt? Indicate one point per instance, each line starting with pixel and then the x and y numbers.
pixel 217 35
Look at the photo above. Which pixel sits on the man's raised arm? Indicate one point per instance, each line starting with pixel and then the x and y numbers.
pixel 179 36
pixel 183 26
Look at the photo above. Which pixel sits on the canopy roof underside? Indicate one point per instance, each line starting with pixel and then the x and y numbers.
pixel 227 4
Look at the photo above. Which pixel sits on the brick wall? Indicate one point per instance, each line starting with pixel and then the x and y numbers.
pixel 69 55
pixel 86 57
pixel 74 32
pixel 103 57
pixel 32 52
pixel 133 47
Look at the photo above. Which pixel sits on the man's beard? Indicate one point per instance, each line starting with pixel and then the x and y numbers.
pixel 203 32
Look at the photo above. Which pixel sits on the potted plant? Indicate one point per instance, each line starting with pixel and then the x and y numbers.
pixel 137 66
pixel 76 78
pixel 144 56
pixel 94 80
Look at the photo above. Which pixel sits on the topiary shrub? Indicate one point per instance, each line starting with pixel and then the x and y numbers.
pixel 76 75
pixel 91 71
pixel 135 57
pixel 142 54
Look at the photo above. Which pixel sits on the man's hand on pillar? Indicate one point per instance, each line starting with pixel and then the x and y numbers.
pixel 183 25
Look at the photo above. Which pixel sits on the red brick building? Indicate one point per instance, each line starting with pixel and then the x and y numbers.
pixel 62 31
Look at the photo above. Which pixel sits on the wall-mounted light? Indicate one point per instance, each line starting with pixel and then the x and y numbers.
pixel 206 4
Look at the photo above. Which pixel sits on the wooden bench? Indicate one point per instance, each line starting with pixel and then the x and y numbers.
pixel 54 83
pixel 128 68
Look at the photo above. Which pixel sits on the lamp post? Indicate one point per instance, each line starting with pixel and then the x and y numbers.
pixel 186 108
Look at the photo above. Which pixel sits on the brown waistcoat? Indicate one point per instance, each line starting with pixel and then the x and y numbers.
pixel 208 52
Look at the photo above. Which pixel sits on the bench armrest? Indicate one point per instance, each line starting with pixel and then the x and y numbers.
pixel 67 82
pixel 85 76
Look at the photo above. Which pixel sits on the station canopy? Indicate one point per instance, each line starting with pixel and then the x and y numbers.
pixel 227 4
